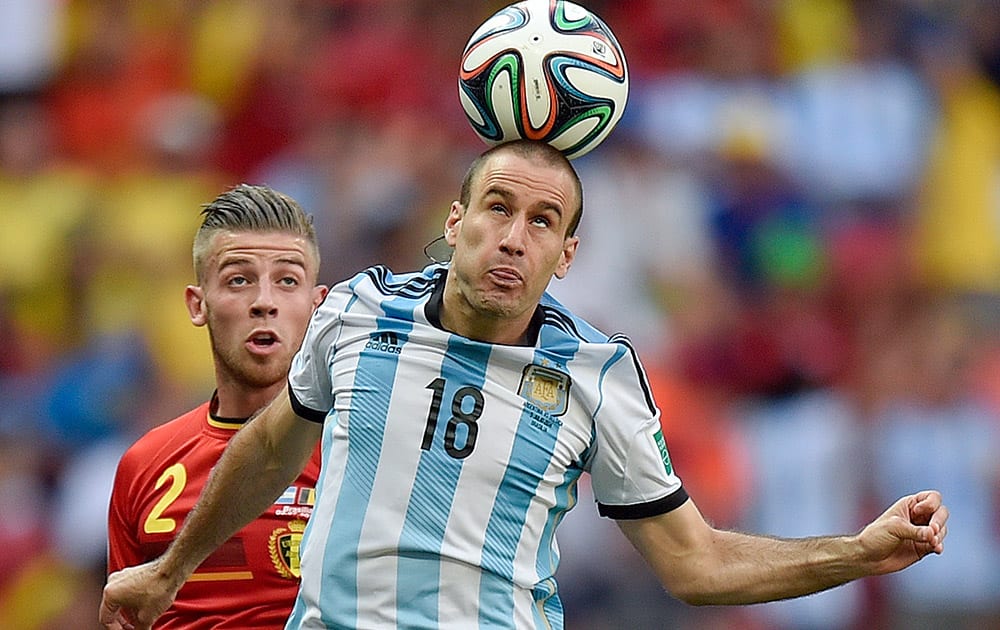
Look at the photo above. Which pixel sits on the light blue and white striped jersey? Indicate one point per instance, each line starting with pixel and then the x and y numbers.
pixel 448 463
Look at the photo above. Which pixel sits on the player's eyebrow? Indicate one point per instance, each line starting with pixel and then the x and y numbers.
pixel 508 196
pixel 293 260
pixel 233 261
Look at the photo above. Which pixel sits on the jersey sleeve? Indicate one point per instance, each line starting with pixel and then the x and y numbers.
pixel 123 545
pixel 631 471
pixel 309 384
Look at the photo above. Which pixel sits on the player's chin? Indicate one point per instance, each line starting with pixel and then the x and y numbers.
pixel 265 371
pixel 500 304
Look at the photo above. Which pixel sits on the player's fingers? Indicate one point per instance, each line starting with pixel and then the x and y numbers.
pixel 112 617
pixel 143 620
pixel 940 517
pixel 119 624
pixel 939 548
pixel 923 507
pixel 931 537
pixel 928 501
pixel 108 615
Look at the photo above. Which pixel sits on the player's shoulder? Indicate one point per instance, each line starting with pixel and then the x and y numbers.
pixel 592 349
pixel 560 318
pixel 377 285
pixel 179 429
pixel 383 281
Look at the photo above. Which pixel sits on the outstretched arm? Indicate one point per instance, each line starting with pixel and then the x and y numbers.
pixel 257 465
pixel 702 565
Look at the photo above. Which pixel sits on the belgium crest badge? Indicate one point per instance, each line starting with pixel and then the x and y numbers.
pixel 283 547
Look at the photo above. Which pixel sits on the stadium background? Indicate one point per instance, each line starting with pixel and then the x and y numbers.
pixel 797 221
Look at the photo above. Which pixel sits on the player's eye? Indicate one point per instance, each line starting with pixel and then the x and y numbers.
pixel 238 281
pixel 289 281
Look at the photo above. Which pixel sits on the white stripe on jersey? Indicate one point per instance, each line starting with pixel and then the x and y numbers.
pixel 442 485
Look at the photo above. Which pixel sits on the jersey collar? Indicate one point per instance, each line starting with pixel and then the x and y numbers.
pixel 219 421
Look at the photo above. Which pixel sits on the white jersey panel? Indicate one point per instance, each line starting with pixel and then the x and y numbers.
pixel 630 464
pixel 450 462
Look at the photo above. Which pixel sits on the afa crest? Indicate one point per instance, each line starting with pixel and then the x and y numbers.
pixel 545 387
pixel 283 547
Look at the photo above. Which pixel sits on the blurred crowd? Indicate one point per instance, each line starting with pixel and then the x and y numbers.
pixel 797 221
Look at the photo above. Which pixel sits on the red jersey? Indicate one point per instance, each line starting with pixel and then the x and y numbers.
pixel 252 579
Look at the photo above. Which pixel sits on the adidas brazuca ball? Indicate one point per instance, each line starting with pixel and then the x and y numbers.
pixel 544 70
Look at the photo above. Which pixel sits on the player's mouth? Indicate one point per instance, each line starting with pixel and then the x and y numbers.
pixel 263 341
pixel 505 276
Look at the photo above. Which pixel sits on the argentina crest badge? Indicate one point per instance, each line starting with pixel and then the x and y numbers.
pixel 545 387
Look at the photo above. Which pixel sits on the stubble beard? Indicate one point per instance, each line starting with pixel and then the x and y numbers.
pixel 494 304
pixel 243 369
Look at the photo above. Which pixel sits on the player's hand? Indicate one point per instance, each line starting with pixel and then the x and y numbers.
pixel 913 527
pixel 134 597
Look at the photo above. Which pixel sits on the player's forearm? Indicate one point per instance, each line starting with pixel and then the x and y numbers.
pixel 753 569
pixel 257 465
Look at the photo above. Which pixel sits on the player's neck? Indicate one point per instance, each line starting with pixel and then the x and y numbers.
pixel 242 401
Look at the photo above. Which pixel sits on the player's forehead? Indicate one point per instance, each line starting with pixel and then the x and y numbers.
pixel 528 176
pixel 229 246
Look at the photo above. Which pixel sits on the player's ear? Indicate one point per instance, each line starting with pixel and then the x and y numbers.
pixel 194 297
pixel 568 254
pixel 319 294
pixel 451 224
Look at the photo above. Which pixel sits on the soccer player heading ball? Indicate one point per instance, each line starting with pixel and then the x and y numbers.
pixel 449 461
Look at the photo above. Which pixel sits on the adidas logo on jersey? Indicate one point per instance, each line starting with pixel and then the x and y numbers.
pixel 385 342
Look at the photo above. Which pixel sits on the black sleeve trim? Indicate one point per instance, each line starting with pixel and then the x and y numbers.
pixel 668 503
pixel 319 417
pixel 643 379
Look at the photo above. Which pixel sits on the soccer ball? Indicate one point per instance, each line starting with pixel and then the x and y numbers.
pixel 546 70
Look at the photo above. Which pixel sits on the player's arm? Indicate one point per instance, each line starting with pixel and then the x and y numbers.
pixel 257 465
pixel 703 565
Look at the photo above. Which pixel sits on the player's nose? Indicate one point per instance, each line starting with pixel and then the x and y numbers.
pixel 264 302
pixel 514 237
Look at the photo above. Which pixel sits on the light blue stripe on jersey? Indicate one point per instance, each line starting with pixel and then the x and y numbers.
pixel 506 522
pixel 548 606
pixel 433 492
pixel 620 350
pixel 510 508
pixel 369 409
pixel 549 609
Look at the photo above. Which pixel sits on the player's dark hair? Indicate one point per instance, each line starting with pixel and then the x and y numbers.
pixel 249 208
pixel 531 149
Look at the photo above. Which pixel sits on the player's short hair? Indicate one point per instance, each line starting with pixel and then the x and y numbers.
pixel 531 149
pixel 249 208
